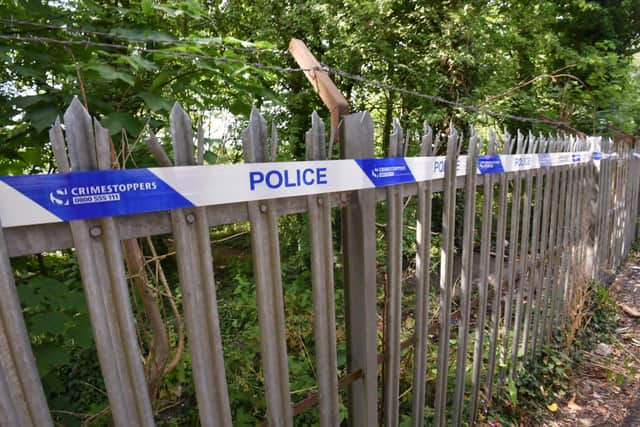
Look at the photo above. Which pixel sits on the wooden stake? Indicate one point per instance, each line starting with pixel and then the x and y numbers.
pixel 322 83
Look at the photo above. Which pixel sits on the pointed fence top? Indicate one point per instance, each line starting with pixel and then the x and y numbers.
pixel 80 140
pixel 58 147
pixel 254 138
pixel 452 140
pixel 103 148
pixel 491 146
pixel 182 136
pixel 358 131
pixel 395 140
pixel 426 148
pixel 315 139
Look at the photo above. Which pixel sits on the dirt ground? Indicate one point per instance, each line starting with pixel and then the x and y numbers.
pixel 606 390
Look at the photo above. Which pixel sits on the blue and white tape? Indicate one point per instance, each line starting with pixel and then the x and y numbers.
pixel 39 199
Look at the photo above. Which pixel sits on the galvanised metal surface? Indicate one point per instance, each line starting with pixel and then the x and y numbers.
pixel 483 284
pixel 393 309
pixel 423 285
pixel 569 217
pixel 265 247
pixel 324 311
pixel 359 258
pixel 22 399
pixel 102 269
pixel 446 277
pixel 498 272
pixel 466 279
pixel 195 270
pixel 514 227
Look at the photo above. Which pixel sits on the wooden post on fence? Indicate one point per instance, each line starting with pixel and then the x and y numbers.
pixel 359 244
pixel 359 259
pixel 22 399
pixel 322 83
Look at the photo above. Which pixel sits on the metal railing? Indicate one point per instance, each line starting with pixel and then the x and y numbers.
pixel 533 234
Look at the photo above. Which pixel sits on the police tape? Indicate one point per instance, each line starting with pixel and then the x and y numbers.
pixel 40 199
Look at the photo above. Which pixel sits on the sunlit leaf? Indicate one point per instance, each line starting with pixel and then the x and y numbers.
pixel 143 35
pixel 138 62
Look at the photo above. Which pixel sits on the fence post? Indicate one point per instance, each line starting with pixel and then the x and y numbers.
pixel 546 176
pixel 636 197
pixel 524 284
pixel 324 318
pixel 423 279
pixel 393 309
pixel 514 227
pixel 103 277
pixel 534 279
pixel 22 400
pixel 483 285
pixel 265 247
pixel 467 277
pixel 195 270
pixel 446 276
pixel 498 272
pixel 359 259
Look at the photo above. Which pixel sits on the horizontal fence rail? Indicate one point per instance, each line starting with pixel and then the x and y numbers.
pixel 516 235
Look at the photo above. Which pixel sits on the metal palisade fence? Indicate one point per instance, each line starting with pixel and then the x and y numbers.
pixel 538 221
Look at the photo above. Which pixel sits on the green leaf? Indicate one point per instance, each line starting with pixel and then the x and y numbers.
pixel 107 72
pixel 162 78
pixel 240 108
pixel 51 289
pixel 28 101
pixel 28 71
pixel 31 155
pixel 115 122
pixel 207 41
pixel 210 158
pixel 155 102
pixel 42 117
pixel 236 41
pixel 143 35
pixel 49 323
pixel 147 7
pixel 76 302
pixel 53 383
pixel 81 332
pixel 169 11
pixel 264 45
pixel 513 391
pixel 28 296
pixel 49 356
pixel 138 62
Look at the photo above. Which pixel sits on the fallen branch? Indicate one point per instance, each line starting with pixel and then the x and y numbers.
pixel 630 311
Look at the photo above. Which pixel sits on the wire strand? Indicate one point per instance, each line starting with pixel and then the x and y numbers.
pixel 275 68
pixel 116 36
pixel 439 99
pixel 87 43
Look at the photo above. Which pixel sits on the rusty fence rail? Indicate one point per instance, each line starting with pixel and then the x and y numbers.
pixel 524 242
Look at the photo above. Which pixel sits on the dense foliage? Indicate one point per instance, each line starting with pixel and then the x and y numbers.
pixel 571 61
pixel 546 380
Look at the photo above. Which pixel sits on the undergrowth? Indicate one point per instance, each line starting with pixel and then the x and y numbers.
pixel 545 380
